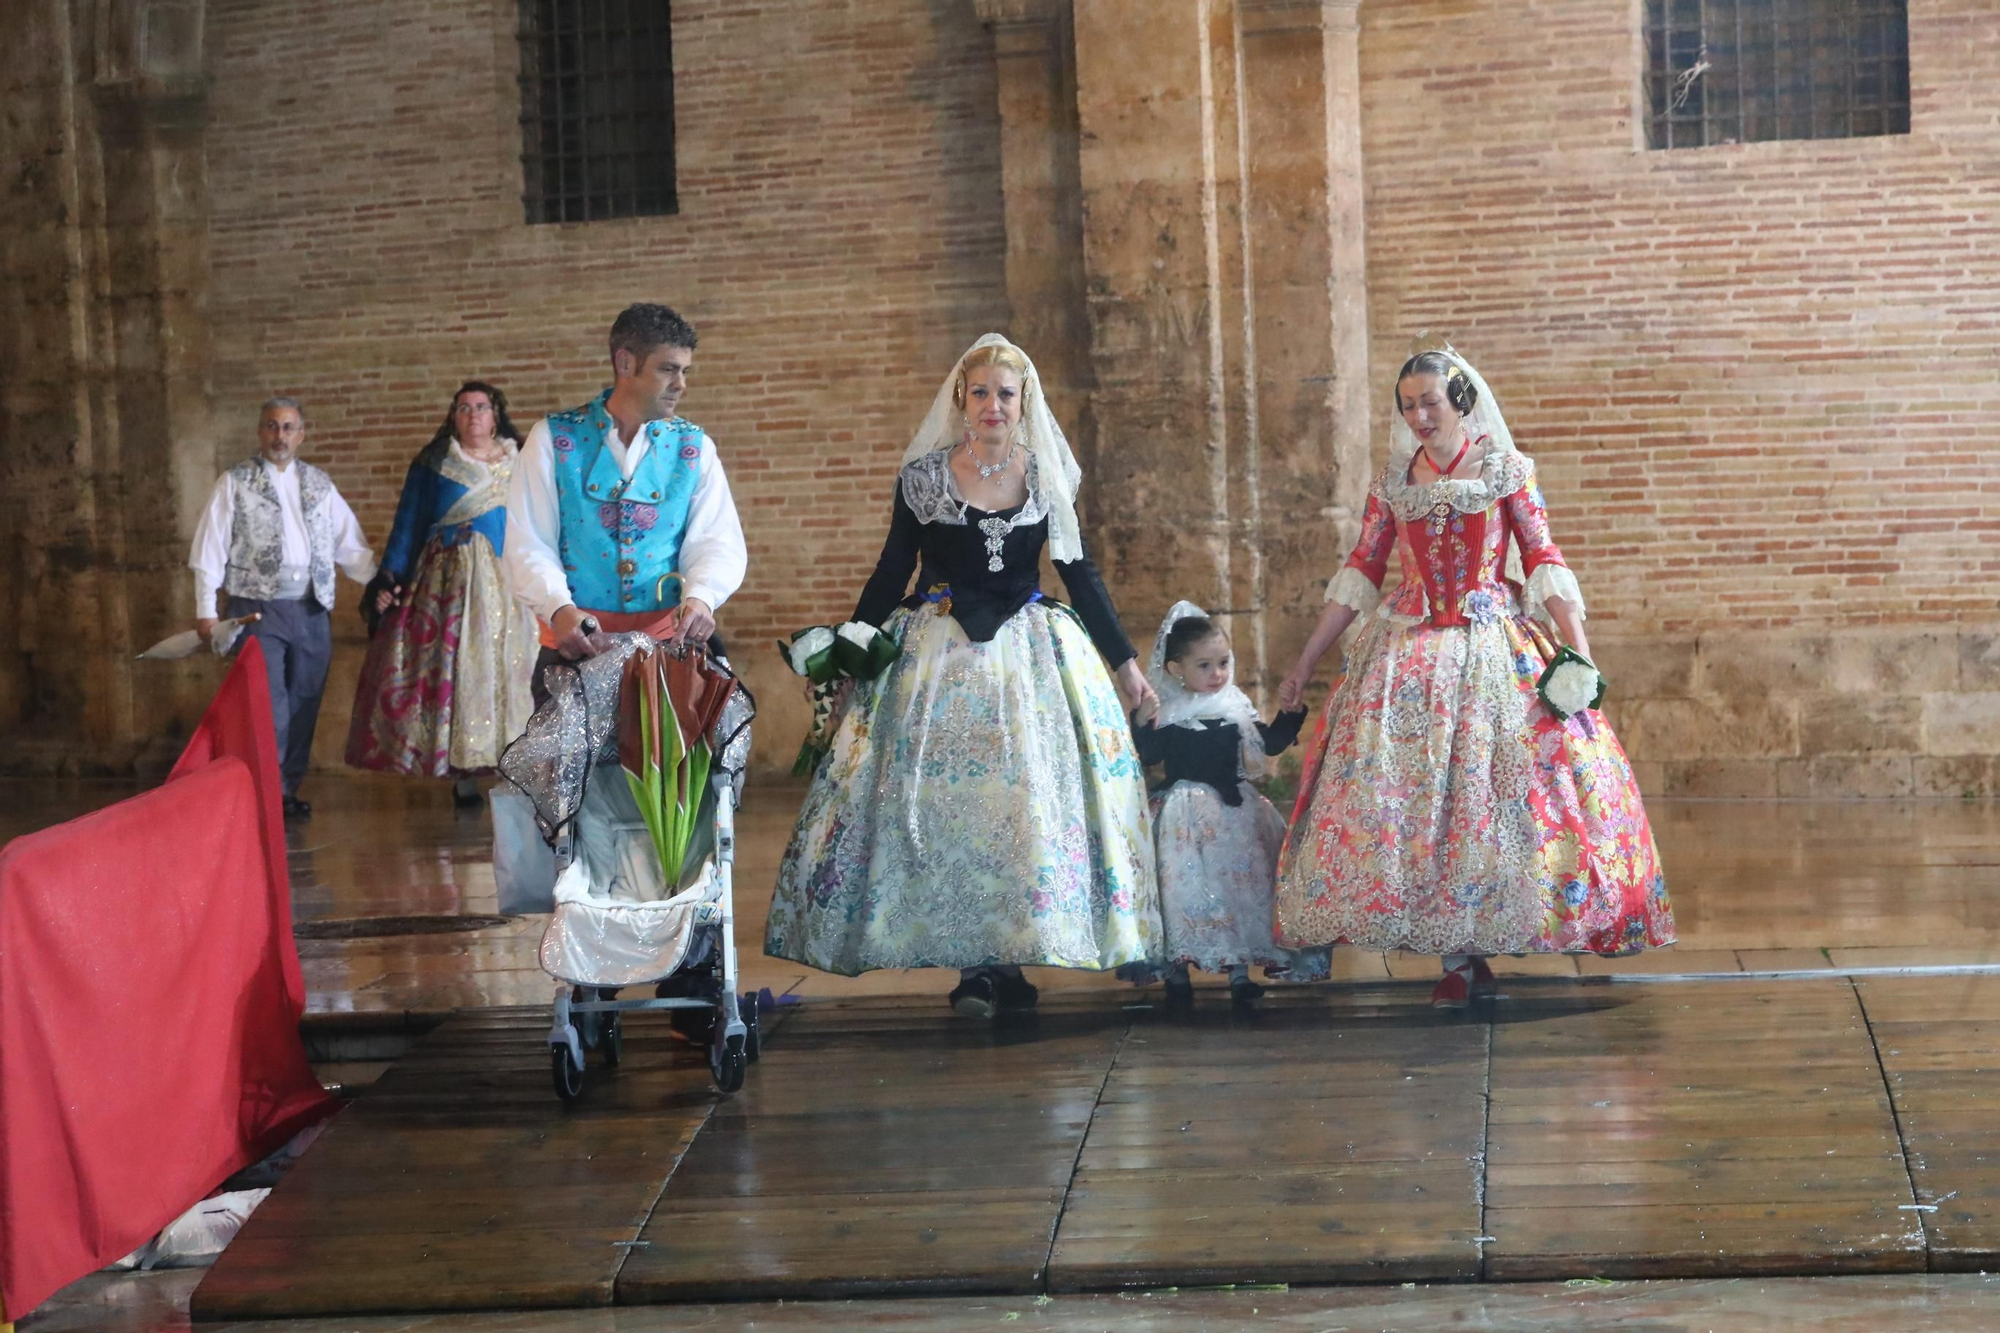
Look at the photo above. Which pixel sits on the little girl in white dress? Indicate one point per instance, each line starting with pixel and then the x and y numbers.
pixel 1216 836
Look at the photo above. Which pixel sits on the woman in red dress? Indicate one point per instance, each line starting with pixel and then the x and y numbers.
pixel 1445 807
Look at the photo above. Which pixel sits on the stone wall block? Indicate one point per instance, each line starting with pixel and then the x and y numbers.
pixel 1724 778
pixel 170 34
pixel 1979 659
pixel 1770 662
pixel 1861 724
pixel 1880 775
pixel 1681 729
pixel 1970 777
pixel 35 253
pixel 1962 724
pixel 1913 661
pixel 1648 666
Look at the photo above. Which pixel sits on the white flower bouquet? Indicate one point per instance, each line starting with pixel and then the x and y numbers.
pixel 1570 684
pixel 826 657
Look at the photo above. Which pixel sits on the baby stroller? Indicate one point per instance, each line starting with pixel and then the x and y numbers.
pixel 634 766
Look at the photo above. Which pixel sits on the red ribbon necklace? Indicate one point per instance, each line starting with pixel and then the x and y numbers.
pixel 1457 458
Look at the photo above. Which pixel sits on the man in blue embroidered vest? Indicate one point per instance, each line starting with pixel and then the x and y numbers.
pixel 610 498
pixel 272 534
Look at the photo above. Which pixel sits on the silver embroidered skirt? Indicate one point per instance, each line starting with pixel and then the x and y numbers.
pixel 1218 868
pixel 983 803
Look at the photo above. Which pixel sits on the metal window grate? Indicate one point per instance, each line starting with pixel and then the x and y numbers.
pixel 597 109
pixel 1738 71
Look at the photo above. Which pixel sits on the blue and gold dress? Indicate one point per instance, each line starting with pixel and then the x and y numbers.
pixel 445 683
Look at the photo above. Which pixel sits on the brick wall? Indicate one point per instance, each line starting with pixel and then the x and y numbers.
pixel 1762 381
pixel 839 241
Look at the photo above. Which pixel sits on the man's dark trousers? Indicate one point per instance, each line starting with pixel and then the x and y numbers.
pixel 297 637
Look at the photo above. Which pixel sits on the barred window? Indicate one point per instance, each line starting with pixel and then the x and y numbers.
pixel 1738 71
pixel 597 109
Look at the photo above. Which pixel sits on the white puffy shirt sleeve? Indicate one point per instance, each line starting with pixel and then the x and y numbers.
pixel 713 556
pixel 350 549
pixel 209 556
pixel 534 527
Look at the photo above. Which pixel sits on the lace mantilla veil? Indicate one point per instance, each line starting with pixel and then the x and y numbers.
pixel 1486 419
pixel 1182 707
pixel 1058 474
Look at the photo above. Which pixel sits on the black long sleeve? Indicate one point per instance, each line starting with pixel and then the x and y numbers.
pixel 886 586
pixel 1150 741
pixel 1281 731
pixel 1092 601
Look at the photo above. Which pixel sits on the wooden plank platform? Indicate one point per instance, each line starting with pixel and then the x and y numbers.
pixel 459 1181
pixel 1939 1039
pixel 1722 1127
pixel 885 1147
pixel 1319 1140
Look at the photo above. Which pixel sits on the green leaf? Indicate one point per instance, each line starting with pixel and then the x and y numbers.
pixel 645 784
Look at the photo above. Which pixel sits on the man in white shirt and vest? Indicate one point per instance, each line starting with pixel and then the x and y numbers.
pixel 272 533
pixel 610 498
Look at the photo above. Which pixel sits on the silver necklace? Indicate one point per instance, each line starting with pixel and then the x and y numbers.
pixel 984 470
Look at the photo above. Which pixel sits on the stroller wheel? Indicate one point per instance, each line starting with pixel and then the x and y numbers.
pixel 753 1044
pixel 567 1072
pixel 612 1041
pixel 726 1061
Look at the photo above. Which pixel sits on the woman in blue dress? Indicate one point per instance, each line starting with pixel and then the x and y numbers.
pixel 445 684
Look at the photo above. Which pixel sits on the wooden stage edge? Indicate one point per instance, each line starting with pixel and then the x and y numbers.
pixel 1834 1121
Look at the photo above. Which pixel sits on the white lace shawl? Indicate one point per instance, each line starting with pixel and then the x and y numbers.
pixel 1182 707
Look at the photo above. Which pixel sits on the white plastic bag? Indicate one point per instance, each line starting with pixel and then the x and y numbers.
pixel 197 1236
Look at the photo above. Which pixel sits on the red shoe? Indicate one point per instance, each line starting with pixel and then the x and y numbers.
pixel 1453 992
pixel 1484 987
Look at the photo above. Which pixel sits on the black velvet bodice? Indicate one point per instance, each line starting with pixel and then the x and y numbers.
pixel 983 598
pixel 1213 754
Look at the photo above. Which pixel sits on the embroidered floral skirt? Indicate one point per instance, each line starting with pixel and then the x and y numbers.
pixel 1444 809
pixel 445 683
pixel 983 803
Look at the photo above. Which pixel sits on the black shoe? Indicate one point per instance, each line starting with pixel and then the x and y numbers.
pixel 1014 992
pixel 297 809
pixel 976 996
pixel 1180 993
pixel 466 799
pixel 1243 991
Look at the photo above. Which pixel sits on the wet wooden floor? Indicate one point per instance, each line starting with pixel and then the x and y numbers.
pixel 1046 1173
pixel 885 1147
pixel 1757 885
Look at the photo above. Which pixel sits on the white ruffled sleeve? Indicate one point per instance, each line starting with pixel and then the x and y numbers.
pixel 1352 588
pixel 1553 580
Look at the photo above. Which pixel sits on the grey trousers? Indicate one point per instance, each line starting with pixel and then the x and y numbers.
pixel 297 637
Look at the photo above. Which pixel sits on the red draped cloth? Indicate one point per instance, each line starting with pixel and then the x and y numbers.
pixel 150 997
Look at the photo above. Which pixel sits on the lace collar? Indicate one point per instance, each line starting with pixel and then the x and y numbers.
pixel 1503 472
pixel 931 492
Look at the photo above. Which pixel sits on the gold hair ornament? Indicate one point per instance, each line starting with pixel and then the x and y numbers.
pixel 1426 341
